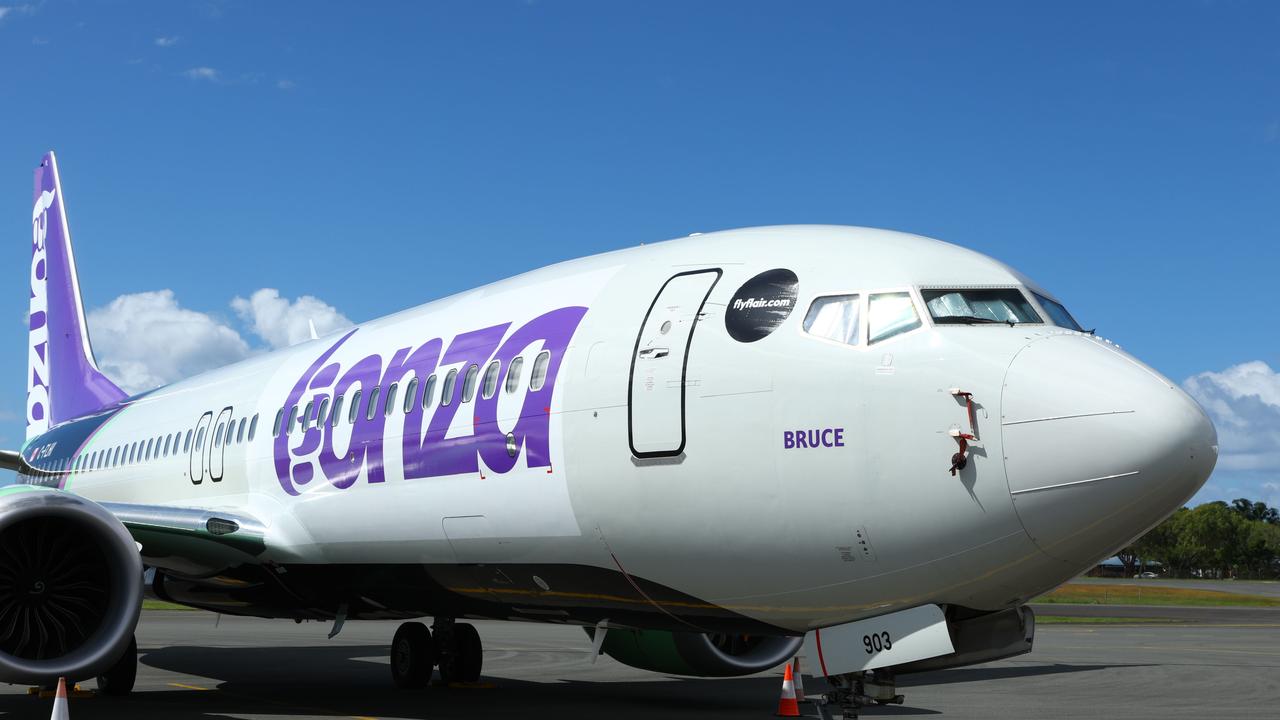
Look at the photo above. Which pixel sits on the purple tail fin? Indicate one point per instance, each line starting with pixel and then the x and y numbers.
pixel 63 380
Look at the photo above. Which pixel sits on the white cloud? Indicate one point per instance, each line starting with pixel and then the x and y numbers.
pixel 147 339
pixel 203 73
pixel 282 323
pixel 165 41
pixel 285 84
pixel 5 11
pixel 1244 402
pixel 23 9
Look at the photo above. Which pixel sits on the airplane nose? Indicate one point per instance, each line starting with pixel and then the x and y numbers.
pixel 1098 447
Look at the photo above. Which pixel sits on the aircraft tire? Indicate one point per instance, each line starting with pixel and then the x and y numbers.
pixel 463 665
pixel 118 680
pixel 413 654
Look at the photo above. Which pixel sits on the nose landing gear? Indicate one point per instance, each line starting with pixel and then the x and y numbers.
pixel 854 691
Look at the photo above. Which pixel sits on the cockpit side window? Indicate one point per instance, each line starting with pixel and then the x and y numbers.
pixel 973 306
pixel 1057 313
pixel 890 314
pixel 834 317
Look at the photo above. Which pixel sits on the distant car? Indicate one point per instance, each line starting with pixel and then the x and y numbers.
pixel 1147 574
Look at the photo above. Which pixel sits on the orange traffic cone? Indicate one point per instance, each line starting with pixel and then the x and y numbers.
pixel 787 705
pixel 799 678
pixel 60 702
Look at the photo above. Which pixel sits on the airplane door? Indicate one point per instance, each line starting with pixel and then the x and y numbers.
pixel 195 455
pixel 656 398
pixel 218 448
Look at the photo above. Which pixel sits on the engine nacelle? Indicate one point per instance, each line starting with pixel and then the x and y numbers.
pixel 698 654
pixel 70 586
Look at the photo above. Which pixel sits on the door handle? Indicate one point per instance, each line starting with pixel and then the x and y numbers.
pixel 654 353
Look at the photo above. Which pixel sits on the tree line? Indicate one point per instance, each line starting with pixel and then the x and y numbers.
pixel 1216 539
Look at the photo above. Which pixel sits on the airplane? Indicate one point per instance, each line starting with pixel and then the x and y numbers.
pixel 712 453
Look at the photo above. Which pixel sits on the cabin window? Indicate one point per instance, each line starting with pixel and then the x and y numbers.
pixel 307 416
pixel 133 453
pixel 372 410
pixel 240 432
pixel 391 398
pixel 429 391
pixel 168 439
pixel 410 396
pixel 322 413
pixel 355 407
pixel 978 306
pixel 275 429
pixel 231 432
pixel 540 370
pixel 890 315
pixel 513 375
pixel 147 454
pixel 489 385
pixel 446 390
pixel 217 436
pixel 337 412
pixel 288 426
pixel 200 438
pixel 469 383
pixel 186 446
pixel 253 427
pixel 115 458
pixel 1058 313
pixel 834 317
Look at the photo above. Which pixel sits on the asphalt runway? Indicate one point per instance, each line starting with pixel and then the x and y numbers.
pixel 275 670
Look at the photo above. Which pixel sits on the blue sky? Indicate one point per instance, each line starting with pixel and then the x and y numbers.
pixel 1127 155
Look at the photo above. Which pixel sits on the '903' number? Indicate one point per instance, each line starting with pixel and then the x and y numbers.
pixel 875 642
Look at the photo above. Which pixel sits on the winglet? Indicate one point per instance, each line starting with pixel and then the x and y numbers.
pixel 63 380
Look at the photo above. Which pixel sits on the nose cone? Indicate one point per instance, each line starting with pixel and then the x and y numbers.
pixel 1098 447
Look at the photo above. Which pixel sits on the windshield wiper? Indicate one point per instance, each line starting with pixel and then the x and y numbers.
pixel 968 320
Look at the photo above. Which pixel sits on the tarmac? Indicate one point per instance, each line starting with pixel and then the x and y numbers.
pixel 195 666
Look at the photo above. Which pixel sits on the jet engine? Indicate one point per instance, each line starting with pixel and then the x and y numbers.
pixel 698 654
pixel 70 587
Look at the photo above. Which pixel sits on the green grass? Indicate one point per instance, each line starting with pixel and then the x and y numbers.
pixel 1064 620
pixel 1100 594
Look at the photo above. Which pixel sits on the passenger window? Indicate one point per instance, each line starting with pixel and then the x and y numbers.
pixel 231 432
pixel 429 391
pixel 469 384
pixel 150 443
pixel 391 398
pixel 355 407
pixel 253 427
pixel 889 315
pixel 186 446
pixel 168 440
pixel 337 412
pixel 513 375
pixel 275 429
pixel 446 390
pixel 490 384
pixel 540 370
pixel 217 436
pixel 243 422
pixel 322 413
pixel 115 460
pixel 307 416
pixel 410 396
pixel 373 403
pixel 288 425
pixel 834 317
pixel 133 453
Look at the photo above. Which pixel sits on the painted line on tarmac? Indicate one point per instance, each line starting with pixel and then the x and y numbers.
pixel 190 687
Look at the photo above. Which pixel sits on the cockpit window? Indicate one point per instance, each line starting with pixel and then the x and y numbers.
pixel 834 317
pixel 976 306
pixel 890 314
pixel 1057 313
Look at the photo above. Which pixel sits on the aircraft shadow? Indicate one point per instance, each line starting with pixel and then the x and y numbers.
pixel 338 682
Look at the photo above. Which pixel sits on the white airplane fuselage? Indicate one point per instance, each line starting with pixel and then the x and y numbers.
pixel 667 473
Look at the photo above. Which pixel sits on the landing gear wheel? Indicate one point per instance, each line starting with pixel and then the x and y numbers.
pixel 466 655
pixel 413 653
pixel 118 680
